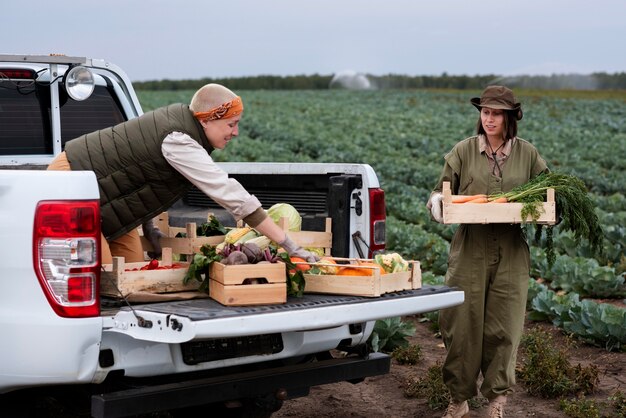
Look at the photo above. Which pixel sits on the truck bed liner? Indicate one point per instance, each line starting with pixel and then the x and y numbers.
pixel 204 309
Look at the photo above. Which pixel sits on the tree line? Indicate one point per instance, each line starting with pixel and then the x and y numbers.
pixel 594 81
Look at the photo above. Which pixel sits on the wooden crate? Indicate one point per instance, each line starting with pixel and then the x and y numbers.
pixel 308 239
pixel 493 213
pixel 119 280
pixel 248 284
pixel 311 239
pixel 190 244
pixel 367 285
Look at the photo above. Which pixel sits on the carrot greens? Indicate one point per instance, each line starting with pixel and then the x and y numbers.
pixel 573 204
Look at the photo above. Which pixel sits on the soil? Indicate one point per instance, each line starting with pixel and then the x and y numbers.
pixel 383 396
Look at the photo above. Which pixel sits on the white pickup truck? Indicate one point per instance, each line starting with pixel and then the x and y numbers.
pixel 66 348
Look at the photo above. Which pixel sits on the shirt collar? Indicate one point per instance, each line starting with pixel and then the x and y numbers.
pixel 483 146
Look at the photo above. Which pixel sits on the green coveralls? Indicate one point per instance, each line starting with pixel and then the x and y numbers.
pixel 491 264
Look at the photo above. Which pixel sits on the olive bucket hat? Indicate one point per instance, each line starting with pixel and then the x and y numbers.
pixel 498 97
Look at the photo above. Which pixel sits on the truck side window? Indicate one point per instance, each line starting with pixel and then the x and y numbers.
pixel 99 111
pixel 25 118
pixel 25 122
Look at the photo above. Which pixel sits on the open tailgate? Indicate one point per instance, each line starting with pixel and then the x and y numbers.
pixel 181 321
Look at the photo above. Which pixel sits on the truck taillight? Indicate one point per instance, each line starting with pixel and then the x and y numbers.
pixel 378 218
pixel 66 248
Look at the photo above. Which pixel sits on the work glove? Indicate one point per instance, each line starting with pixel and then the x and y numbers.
pixel 294 250
pixel 436 206
pixel 153 234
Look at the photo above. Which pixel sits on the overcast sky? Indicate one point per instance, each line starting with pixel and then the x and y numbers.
pixel 158 39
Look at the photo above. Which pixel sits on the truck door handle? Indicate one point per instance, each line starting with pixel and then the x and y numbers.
pixel 358 204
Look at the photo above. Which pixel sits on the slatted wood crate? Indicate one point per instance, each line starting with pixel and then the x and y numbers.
pixel 311 239
pixel 372 283
pixel 120 279
pixel 248 284
pixel 190 244
pixel 263 283
pixel 493 213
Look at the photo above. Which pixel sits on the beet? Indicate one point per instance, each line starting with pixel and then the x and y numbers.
pixel 235 258
pixel 252 251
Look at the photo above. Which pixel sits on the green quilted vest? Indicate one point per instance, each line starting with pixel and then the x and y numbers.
pixel 136 182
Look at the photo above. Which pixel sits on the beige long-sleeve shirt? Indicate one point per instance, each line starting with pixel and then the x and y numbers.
pixel 191 160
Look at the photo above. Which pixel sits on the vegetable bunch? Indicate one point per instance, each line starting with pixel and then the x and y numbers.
pixel 200 264
pixel 575 209
pixel 384 263
pixel 392 262
pixel 211 228
pixel 246 253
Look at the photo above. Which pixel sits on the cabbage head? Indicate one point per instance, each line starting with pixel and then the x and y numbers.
pixel 285 210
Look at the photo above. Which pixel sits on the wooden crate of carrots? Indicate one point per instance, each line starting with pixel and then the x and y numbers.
pixel 359 277
pixel 480 209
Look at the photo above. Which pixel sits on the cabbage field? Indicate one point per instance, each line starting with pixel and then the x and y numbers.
pixel 404 135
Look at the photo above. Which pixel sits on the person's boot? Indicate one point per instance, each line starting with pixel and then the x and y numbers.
pixel 457 410
pixel 496 407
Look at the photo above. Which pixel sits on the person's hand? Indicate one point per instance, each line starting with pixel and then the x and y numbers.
pixel 294 250
pixel 436 206
pixel 154 235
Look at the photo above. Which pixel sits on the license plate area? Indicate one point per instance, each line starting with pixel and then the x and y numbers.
pixel 201 351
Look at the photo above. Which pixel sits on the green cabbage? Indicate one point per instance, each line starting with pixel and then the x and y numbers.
pixel 285 210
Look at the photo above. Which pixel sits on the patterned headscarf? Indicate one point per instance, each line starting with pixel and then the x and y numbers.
pixel 223 111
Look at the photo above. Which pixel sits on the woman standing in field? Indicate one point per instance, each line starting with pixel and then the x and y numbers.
pixel 491 262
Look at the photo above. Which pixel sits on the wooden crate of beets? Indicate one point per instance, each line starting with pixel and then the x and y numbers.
pixel 248 284
pixel 372 283
pixel 262 283
pixel 493 213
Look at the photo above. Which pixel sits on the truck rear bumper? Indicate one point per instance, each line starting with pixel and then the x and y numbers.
pixel 294 379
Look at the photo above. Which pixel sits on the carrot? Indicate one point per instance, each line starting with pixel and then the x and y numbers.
pixel 351 271
pixel 356 271
pixel 370 264
pixel 499 200
pixel 478 200
pixel 464 198
pixel 301 263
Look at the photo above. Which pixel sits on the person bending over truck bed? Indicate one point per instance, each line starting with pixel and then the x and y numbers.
pixel 146 164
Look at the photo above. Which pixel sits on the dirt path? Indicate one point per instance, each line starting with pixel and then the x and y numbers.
pixel 383 396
